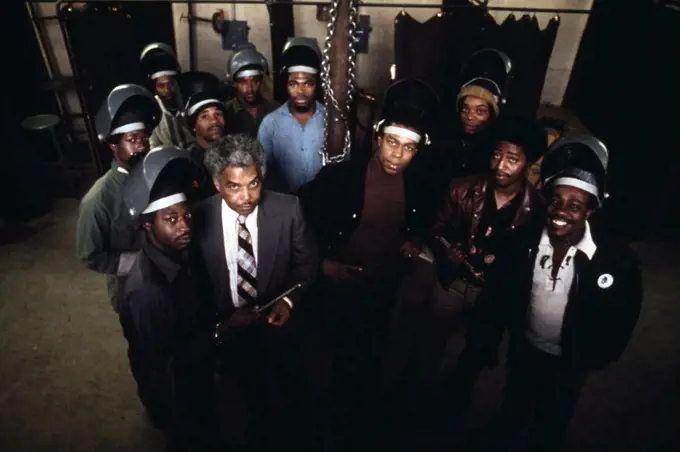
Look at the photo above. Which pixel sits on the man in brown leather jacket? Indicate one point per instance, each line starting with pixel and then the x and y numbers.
pixel 480 215
pixel 485 211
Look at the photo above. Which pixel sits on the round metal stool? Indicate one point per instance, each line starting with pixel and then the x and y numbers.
pixel 49 122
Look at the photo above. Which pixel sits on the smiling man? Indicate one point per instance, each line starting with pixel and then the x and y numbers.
pixel 166 317
pixel 255 245
pixel 293 134
pixel 569 295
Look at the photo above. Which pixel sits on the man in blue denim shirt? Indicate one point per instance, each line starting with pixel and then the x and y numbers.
pixel 293 134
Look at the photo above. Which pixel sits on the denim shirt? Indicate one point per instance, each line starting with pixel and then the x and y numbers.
pixel 293 151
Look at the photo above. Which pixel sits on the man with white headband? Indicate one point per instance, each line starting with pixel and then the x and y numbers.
pixel 369 215
pixel 293 134
pixel 569 295
pixel 166 318
pixel 160 67
pixel 246 70
pixel 106 241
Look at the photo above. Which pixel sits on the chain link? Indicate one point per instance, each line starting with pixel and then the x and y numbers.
pixel 329 95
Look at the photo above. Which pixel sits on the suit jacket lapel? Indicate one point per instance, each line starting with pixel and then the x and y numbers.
pixel 213 250
pixel 267 243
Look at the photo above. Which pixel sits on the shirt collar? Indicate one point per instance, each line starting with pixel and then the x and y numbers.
pixel 119 168
pixel 284 109
pixel 231 215
pixel 168 266
pixel 586 244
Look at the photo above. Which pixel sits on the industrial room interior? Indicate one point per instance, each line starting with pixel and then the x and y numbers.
pixel 65 383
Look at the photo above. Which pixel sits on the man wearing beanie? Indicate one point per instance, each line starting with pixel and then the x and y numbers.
pixel 569 296
pixel 205 117
pixel 246 69
pixel 160 67
pixel 478 104
pixel 293 134
pixel 370 216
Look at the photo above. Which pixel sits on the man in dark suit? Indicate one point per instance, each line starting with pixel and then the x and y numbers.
pixel 255 245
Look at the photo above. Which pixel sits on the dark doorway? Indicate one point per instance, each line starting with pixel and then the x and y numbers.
pixel 25 190
pixel 105 40
pixel 624 89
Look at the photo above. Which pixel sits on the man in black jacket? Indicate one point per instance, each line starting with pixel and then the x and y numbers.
pixel 166 315
pixel 569 296
pixel 369 216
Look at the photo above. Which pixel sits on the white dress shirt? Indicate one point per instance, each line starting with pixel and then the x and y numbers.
pixel 230 236
pixel 549 296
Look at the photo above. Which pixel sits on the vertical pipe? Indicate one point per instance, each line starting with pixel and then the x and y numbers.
pixel 78 82
pixel 192 56
pixel 339 63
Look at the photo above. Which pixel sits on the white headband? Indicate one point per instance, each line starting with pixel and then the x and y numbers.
pixel 577 183
pixel 165 202
pixel 305 69
pixel 132 127
pixel 158 74
pixel 249 73
pixel 198 105
pixel 402 132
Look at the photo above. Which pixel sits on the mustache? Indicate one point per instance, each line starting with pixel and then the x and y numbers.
pixel 216 127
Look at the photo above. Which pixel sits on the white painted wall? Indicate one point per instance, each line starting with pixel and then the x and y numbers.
pixel 373 68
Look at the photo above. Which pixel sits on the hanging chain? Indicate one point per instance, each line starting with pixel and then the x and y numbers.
pixel 329 94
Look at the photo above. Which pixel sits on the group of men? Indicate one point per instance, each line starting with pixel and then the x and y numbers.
pixel 231 251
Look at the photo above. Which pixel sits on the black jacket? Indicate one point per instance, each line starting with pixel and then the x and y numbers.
pixel 286 252
pixel 333 202
pixel 599 318
pixel 206 186
pixel 167 318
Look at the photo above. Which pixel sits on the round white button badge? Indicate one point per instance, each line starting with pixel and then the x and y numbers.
pixel 605 281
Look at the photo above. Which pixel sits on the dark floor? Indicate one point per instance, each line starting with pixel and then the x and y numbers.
pixel 65 384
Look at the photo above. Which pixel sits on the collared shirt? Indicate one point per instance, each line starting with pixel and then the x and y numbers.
pixel 293 151
pixel 494 230
pixel 230 236
pixel 238 120
pixel 549 296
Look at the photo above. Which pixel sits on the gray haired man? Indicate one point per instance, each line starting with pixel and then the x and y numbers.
pixel 255 245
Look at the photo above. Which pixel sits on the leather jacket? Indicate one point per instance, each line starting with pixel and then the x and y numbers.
pixel 458 217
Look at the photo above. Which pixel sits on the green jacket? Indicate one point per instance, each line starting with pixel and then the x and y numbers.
pixel 106 239
pixel 238 120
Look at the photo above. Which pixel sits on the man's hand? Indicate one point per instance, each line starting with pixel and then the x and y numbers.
pixel 340 272
pixel 280 314
pixel 243 317
pixel 455 254
pixel 410 250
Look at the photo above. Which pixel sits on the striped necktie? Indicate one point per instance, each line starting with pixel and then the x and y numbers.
pixel 247 266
